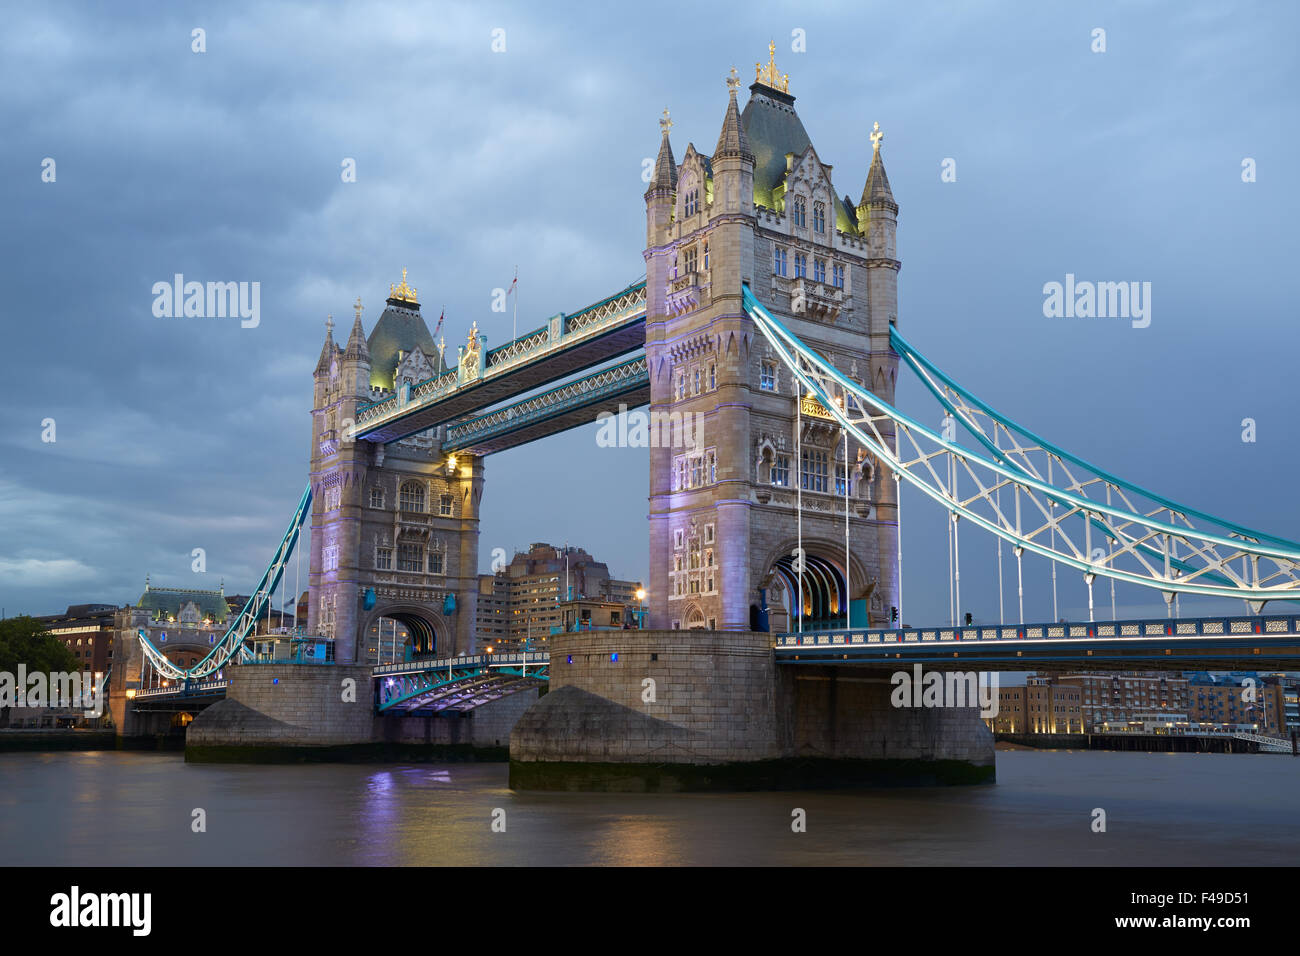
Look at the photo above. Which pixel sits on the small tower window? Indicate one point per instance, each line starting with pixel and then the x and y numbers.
pixel 713 375
pixel 780 474
pixel 813 468
pixel 444 506
pixel 706 254
pixel 376 497
pixel 384 559
pixel 435 562
pixel 843 479
pixel 767 377
pixel 778 261
pixel 800 212
pixel 411 496
pixel 696 375
pixel 819 270
pixel 837 276
pixel 410 557
pixel 681 385
pixel 689 260
pixel 692 202
pixel 800 265
pixel 819 216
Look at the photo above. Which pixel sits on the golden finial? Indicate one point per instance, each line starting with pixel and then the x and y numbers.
pixel 733 81
pixel 403 291
pixel 473 336
pixel 768 75
pixel 357 308
pixel 876 137
pixel 329 325
pixel 665 123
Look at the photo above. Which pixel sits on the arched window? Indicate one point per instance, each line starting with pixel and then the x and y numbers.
pixel 819 217
pixel 800 212
pixel 706 253
pixel 412 496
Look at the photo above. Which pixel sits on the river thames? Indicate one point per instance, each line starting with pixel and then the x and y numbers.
pixel 120 808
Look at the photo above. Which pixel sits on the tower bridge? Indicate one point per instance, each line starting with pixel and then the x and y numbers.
pixel 769 311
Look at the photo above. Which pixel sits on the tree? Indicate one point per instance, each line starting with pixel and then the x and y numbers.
pixel 24 640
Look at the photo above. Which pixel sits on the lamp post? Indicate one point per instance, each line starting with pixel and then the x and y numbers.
pixel 640 616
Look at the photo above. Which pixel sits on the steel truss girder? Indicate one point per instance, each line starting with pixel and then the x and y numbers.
pixel 1139 539
pixel 527 419
pixel 231 644
pixel 456 688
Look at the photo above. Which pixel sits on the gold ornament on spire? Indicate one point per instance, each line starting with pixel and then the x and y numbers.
pixel 876 137
pixel 403 291
pixel 733 81
pixel 357 308
pixel 665 123
pixel 768 75
pixel 329 325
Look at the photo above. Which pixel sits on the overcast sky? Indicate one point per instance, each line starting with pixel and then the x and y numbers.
pixel 175 434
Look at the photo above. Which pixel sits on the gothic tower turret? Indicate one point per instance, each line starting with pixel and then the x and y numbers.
pixel 663 188
pixel 755 507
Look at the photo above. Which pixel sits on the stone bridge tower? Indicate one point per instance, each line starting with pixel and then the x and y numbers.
pixel 762 210
pixel 394 527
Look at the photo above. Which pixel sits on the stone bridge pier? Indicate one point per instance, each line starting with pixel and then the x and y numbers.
pixel 711 710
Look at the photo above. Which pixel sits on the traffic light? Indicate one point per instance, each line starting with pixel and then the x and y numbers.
pixel 968 619
pixel 893 613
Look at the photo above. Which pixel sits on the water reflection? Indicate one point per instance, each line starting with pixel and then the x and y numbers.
pixel 134 809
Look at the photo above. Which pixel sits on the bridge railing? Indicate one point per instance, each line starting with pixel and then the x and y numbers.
pixel 180 689
pixel 1220 626
pixel 516 659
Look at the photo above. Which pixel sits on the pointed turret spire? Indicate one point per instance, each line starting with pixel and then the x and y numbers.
pixel 329 348
pixel 732 141
pixel 665 174
pixel 357 349
pixel 877 189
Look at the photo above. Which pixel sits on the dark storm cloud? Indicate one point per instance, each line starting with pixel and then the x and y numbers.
pixel 182 433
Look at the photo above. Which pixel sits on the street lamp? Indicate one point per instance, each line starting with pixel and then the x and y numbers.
pixel 640 618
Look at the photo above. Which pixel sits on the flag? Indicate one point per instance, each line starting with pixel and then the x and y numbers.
pixel 439 326
pixel 513 283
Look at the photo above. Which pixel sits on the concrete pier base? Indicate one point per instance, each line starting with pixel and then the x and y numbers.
pixel 306 712
pixel 696 710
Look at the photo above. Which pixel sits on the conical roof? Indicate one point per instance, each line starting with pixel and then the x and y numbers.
pixel 772 129
pixel 400 329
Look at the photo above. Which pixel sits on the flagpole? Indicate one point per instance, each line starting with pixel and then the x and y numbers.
pixel 515 330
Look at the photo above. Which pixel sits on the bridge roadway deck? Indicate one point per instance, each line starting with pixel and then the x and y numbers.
pixel 1269 642
pixel 596 334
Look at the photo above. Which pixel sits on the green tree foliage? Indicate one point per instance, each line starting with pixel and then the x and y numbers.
pixel 24 640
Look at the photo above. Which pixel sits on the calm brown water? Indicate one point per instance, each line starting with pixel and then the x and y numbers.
pixel 130 809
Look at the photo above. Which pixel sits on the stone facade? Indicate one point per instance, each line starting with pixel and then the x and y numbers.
pixel 762 210
pixel 659 709
pixel 394 527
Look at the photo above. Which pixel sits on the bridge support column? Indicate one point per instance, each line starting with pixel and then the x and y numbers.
pixel 663 710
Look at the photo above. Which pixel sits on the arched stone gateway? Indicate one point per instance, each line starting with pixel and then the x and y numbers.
pixel 827 597
pixel 422 629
